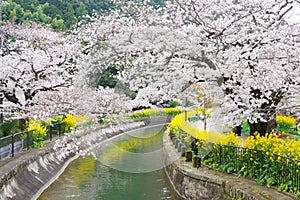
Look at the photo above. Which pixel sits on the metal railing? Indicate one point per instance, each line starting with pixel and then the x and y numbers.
pixel 15 143
pixel 256 164
pixel 55 129
pixel 272 169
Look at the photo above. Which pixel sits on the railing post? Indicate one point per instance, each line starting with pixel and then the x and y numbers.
pixel 50 132
pixel 59 129
pixel 28 140
pixel 220 154
pixel 189 156
pixel 196 161
pixel 12 145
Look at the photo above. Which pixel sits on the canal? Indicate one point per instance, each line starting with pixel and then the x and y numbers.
pixel 128 167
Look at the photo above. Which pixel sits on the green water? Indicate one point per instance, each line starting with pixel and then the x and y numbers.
pixel 126 168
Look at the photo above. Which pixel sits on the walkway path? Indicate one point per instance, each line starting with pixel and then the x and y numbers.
pixel 7 165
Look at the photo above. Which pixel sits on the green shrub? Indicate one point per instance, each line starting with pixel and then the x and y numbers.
pixel 9 127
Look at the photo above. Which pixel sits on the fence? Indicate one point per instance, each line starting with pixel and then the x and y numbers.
pixel 256 164
pixel 267 169
pixel 18 142
pixel 55 129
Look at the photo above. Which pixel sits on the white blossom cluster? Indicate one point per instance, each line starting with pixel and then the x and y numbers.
pixel 39 75
pixel 250 48
pixel 249 45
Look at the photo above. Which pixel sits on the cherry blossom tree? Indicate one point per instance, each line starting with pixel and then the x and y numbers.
pixel 248 47
pixel 40 73
pixel 257 52
pixel 148 57
pixel 75 100
pixel 33 59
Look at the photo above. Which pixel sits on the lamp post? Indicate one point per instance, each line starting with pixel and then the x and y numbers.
pixel 202 80
pixel 204 111
pixel 185 111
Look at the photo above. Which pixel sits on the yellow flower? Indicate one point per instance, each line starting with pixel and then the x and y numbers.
pixel 36 125
pixel 290 121
pixel 279 158
pixel 270 144
pixel 38 132
pixel 70 120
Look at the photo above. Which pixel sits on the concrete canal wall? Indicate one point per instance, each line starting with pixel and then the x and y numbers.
pixel 26 176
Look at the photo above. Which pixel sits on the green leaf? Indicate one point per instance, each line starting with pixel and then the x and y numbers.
pixel 230 169
pixel 271 181
pixel 261 182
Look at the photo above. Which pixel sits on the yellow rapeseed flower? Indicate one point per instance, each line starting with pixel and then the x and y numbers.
pixel 270 144
pixel 287 120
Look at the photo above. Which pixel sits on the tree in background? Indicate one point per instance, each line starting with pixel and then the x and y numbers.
pixel 61 15
pixel 75 100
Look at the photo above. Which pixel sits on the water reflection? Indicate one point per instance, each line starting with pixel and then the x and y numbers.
pixel 87 178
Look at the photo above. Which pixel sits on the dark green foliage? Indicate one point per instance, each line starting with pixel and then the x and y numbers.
pixel 157 3
pixel 108 79
pixel 171 104
pixel 9 127
pixel 245 128
pixel 284 128
pixel 60 14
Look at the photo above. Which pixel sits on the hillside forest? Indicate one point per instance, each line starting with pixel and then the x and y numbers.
pixel 59 14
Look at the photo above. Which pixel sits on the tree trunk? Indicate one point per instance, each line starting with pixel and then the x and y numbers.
pixel 22 124
pixel 262 127
pixel 1 110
